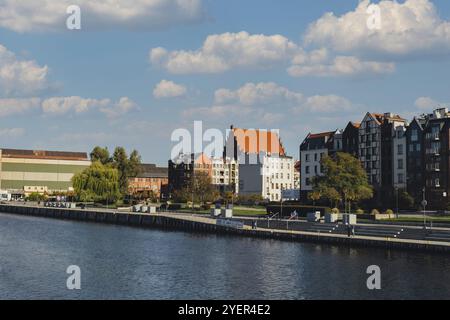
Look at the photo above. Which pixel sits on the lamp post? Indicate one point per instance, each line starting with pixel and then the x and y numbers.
pixel 424 204
pixel 396 193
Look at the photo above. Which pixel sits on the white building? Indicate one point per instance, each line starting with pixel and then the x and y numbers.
pixel 312 150
pixel 264 167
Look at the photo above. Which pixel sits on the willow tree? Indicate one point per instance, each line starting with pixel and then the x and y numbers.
pixel 98 183
pixel 344 180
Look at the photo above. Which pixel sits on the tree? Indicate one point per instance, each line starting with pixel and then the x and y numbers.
pixel 200 189
pixel 101 154
pixel 406 201
pixel 344 180
pixel 127 167
pixel 98 183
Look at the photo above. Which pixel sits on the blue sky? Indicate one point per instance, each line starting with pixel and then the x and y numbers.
pixel 268 64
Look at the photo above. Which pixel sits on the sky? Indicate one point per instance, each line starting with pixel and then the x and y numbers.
pixel 137 70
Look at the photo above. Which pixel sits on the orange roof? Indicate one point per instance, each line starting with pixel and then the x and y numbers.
pixel 356 124
pixel 203 159
pixel 257 141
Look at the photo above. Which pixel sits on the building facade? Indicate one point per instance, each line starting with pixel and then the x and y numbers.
pixel 264 167
pixel 399 161
pixel 350 139
pixel 149 179
pixel 436 145
pixel 415 158
pixel 224 172
pixel 312 150
pixel 28 171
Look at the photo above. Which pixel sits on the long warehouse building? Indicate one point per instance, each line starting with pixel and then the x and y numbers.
pixel 26 171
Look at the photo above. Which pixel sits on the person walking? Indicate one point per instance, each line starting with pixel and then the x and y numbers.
pixel 349 230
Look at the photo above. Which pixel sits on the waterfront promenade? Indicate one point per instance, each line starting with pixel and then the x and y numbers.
pixel 387 236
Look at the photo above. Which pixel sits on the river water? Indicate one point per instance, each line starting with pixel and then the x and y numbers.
pixel 119 262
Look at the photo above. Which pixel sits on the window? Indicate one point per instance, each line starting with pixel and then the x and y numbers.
pixel 418 147
pixel 306 158
pixel 414 135
pixel 437 183
pixel 401 178
pixel 307 169
pixel 400 164
pixel 315 170
pixel 400 149
pixel 315 156
pixel 308 181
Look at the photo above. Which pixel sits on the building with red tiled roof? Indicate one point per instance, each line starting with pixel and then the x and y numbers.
pixel 264 167
pixel 255 141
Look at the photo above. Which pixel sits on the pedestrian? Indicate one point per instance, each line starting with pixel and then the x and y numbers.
pixel 349 230
pixel 353 231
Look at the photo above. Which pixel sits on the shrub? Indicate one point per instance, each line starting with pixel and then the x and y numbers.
pixel 335 210
pixel 359 211
pixel 389 211
pixel 375 212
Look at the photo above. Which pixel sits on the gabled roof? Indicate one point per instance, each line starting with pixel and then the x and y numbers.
pixel 254 141
pixel 152 171
pixel 317 140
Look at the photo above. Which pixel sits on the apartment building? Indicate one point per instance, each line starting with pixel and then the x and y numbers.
pixel 224 172
pixel 415 158
pixel 436 142
pixel 313 148
pixel 150 178
pixel 399 157
pixel 264 167
pixel 350 138
pixel 376 148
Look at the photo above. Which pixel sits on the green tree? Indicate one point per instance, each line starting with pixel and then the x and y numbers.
pixel 101 154
pixel 127 167
pixel 344 180
pixel 199 188
pixel 405 200
pixel 98 183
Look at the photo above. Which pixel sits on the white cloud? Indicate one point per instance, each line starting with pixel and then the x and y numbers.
pixel 428 104
pixel 47 15
pixel 9 107
pixel 79 105
pixel 168 89
pixel 326 104
pixel 120 108
pixel 261 101
pixel 258 93
pixel 223 52
pixel 338 66
pixel 21 77
pixel 64 105
pixel 410 28
pixel 12 132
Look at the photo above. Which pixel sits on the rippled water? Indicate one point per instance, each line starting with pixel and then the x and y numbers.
pixel 131 263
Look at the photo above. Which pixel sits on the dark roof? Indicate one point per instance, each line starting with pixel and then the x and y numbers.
pixel 42 154
pixel 317 141
pixel 152 171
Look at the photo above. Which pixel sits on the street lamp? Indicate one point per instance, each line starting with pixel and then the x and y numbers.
pixel 424 204
pixel 396 192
